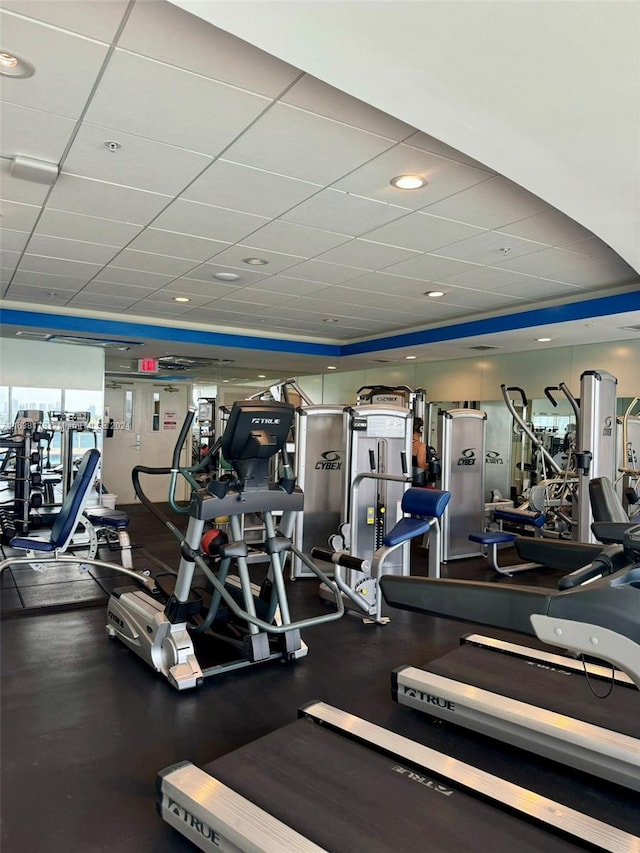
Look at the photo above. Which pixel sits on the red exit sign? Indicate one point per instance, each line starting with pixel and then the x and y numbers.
pixel 148 365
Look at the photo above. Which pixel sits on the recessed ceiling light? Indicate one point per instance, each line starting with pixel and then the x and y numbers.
pixel 226 276
pixel 331 367
pixel 181 299
pixel 112 145
pixel 262 376
pixel 408 182
pixel 225 380
pixel 410 357
pixel 543 340
pixel 434 293
pixel 255 262
pixel 329 320
pixel 13 66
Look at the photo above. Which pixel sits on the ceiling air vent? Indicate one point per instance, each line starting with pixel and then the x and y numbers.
pixel 183 362
pixel 484 347
pixel 630 328
pixel 34 336
pixel 380 361
pixel 105 343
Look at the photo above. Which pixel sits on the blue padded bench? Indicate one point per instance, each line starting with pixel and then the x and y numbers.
pixel 118 521
pixel 490 541
pixel 521 516
pixel 423 506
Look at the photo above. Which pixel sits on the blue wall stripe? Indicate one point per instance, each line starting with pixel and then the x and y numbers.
pixel 588 309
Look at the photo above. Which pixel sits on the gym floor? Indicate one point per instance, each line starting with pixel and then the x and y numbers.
pixel 86 724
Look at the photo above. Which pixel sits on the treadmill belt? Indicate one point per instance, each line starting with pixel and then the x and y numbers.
pixel 545 686
pixel 348 798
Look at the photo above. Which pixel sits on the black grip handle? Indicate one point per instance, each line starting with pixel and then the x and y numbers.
pixel 372 461
pixel 341 558
pixel 519 390
pixel 549 395
pixel 184 432
pixel 403 462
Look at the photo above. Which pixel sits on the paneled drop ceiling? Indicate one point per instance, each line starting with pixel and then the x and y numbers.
pixel 184 151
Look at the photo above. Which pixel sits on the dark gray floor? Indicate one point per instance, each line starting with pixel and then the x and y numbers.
pixel 86 725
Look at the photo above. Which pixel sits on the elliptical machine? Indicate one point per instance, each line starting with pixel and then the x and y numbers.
pixel 229 622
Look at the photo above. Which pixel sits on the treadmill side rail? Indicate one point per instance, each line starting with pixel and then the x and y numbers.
pixel 215 818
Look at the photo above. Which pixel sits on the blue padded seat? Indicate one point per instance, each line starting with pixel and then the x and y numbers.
pixel 494 537
pixel 425 504
pixel 520 516
pixel 70 511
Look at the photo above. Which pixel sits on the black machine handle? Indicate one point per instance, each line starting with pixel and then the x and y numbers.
pixel 519 390
pixel 372 460
pixel 606 563
pixel 403 462
pixel 549 395
pixel 184 432
pixel 341 558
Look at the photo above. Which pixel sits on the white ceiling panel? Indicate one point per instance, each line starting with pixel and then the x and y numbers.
pixel 106 201
pixel 162 309
pixel 176 245
pixel 138 278
pixel 594 248
pixel 390 285
pixel 444 177
pixel 73 250
pixel 235 302
pixel 13 241
pixel 164 264
pixel 293 142
pixel 167 33
pixel 204 220
pixel 77 270
pixel 167 295
pixel 490 204
pixel 207 272
pixel 57 86
pixel 570 267
pixel 293 239
pixel 435 146
pixel 551 227
pixel 313 95
pixel 17 216
pixel 23 192
pixel 234 257
pixel 290 285
pixel 59 223
pixel 156 91
pixel 101 300
pixel 249 296
pixel 543 288
pixel 139 163
pixel 343 212
pixel 191 287
pixel 39 295
pixel 34 133
pixel 480 299
pixel 491 247
pixel 492 278
pixel 107 288
pixel 9 260
pixel 244 188
pixel 215 317
pixel 429 267
pixel 366 255
pixel 98 20
pixel 324 272
pixel 422 232
pixel 50 282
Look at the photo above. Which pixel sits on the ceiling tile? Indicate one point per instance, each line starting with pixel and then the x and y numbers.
pixel 59 223
pixel 244 188
pixel 106 201
pixel 8 260
pixel 57 266
pixel 491 278
pixel 444 177
pixel 570 267
pixel 276 261
pixel 204 220
pixel 490 204
pixel 594 248
pixel 324 272
pixel 390 285
pixel 551 227
pixel 56 87
pixel 96 20
pixel 248 296
pixel 207 271
pixel 127 291
pixel 176 245
pixel 483 300
pixel 318 97
pixel 72 250
pixel 102 300
pixel 340 211
pixel 191 287
pixel 292 286
pixel 366 255
pixel 422 232
pixel 491 247
pixel 13 241
pixel 138 278
pixel 17 216
pixel 49 282
pixel 33 133
pixel 167 295
pixel 39 295
pixel 542 289
pixel 293 239
pixel 16 189
pixel 429 267
pixel 139 163
pixel 434 146
pixel 165 32
pixel 165 265
pixel 216 317
pixel 156 91
pixel 293 142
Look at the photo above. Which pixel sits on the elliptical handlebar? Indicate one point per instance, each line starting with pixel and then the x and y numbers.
pixel 548 458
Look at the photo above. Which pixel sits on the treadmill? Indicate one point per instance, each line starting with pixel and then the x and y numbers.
pixel 581 713
pixel 331 781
